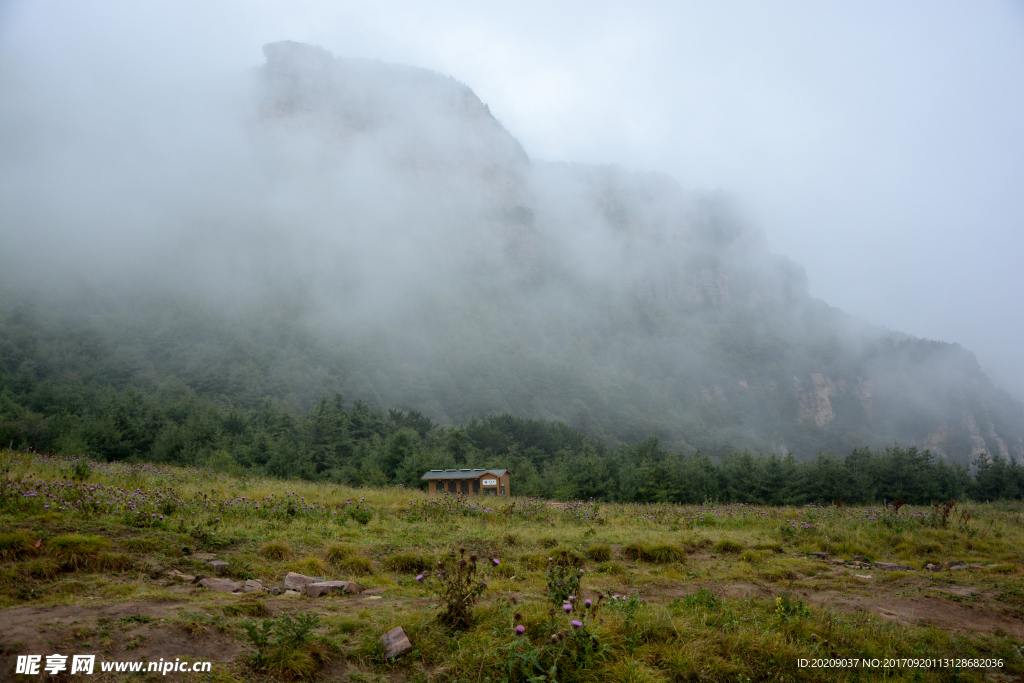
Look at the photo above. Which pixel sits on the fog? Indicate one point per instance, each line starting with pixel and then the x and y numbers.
pixel 866 157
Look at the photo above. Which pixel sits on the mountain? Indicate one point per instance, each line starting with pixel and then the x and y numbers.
pixel 371 229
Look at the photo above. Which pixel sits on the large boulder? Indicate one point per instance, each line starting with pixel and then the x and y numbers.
pixel 315 590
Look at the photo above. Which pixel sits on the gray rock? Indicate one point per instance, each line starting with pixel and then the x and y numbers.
pixel 893 567
pixel 219 566
pixel 820 556
pixel 861 558
pixel 933 567
pixel 222 585
pixel 253 586
pixel 373 591
pixel 315 590
pixel 292 594
pixel 276 590
pixel 298 582
pixel 178 576
pixel 395 643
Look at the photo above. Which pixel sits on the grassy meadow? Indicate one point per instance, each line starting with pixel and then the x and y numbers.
pixel 660 592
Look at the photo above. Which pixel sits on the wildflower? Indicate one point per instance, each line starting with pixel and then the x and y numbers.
pixel 567 607
pixel 520 629
pixel 496 561
pixel 576 624
pixel 587 603
pixel 419 577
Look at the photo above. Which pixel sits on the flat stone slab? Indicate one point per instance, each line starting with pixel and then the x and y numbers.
pixel 373 591
pixel 219 566
pixel 395 643
pixel 315 590
pixel 893 567
pixel 178 576
pixel 820 556
pixel 253 586
pixel 298 582
pixel 222 585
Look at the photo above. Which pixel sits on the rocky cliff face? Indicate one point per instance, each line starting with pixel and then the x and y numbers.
pixel 658 298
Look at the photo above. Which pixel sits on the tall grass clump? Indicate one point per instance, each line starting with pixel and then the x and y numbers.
pixel 75 551
pixel 276 550
pixel 16 545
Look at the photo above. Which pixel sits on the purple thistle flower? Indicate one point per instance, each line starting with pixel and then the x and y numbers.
pixel 576 624
pixel 496 561
pixel 520 629
pixel 587 603
pixel 419 577
pixel 567 607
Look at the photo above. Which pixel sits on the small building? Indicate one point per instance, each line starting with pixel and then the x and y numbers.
pixel 494 482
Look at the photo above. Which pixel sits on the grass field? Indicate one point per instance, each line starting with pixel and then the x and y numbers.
pixel 676 593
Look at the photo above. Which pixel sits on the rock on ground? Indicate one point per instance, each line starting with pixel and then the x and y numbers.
pixel 315 590
pixel 298 582
pixel 395 643
pixel 222 585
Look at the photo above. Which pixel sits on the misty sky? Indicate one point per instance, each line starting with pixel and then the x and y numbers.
pixel 879 145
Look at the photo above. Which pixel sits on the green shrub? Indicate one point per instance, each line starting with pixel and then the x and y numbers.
pixel 338 553
pixel 408 563
pixel 563 577
pixel 458 586
pixel 311 566
pixel 356 565
pixel 600 552
pixel 727 546
pixel 276 550
pixel 658 554
pixel 112 562
pixel 75 551
pixel 286 648
pixel 16 545
pixel 40 568
pixel 613 568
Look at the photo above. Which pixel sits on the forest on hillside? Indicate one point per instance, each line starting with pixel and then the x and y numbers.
pixel 71 395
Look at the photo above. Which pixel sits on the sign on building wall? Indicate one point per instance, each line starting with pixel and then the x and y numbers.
pixel 489 482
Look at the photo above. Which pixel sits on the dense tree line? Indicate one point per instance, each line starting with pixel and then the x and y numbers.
pixel 357 445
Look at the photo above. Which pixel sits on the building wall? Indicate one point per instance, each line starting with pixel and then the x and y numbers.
pixel 435 486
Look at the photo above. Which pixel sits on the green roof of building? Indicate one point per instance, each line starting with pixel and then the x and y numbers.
pixel 461 474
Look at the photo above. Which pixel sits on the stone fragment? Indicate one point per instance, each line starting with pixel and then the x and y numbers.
pixel 222 585
pixel 178 576
pixel 253 586
pixel 933 567
pixel 298 582
pixel 219 566
pixel 276 590
pixel 374 597
pixel 836 560
pixel 892 566
pixel 864 576
pixel 315 590
pixel 292 594
pixel 395 643
pixel 820 556
pixel 861 558
pixel 373 591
